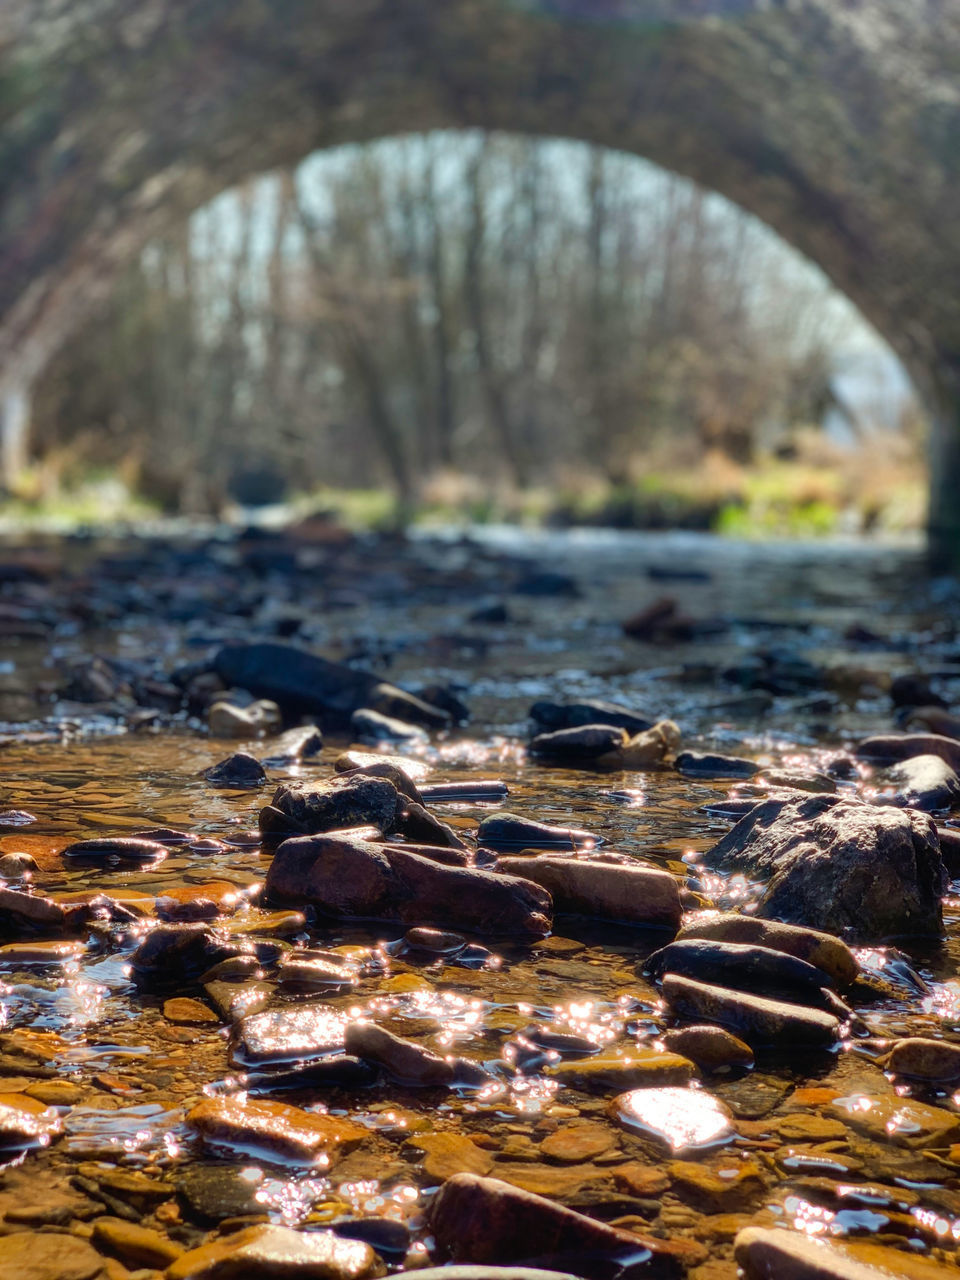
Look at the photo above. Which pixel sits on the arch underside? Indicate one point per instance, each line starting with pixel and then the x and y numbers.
pixel 837 122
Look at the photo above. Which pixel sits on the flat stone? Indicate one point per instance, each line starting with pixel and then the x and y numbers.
pixel 820 949
pixel 54 1093
pixel 446 1154
pixel 234 1001
pixel 621 1070
pixel 804 1127
pixel 711 1048
pixel 699 764
pixel 124 848
pixel 555 1181
pixel 608 890
pixel 407 1062
pixel 744 967
pixel 756 1019
pixel 793 1255
pixel 900 1121
pixel 33 1255
pixel 508 831
pixel 299 972
pixel 278 1253
pixel 577 1143
pixel 29 953
pixel 733 1185
pixel 273 1129
pixel 372 727
pixel 218 1191
pixel 883 747
pixel 640 1180
pixel 680 1119
pixel 284 1035
pixel 134 1245
pixel 184 1011
pixel 26 1122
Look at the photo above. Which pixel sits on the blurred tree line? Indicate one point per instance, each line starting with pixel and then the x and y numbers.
pixel 515 310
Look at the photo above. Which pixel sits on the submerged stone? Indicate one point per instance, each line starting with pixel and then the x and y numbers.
pixel 763 1253
pixel 135 1245
pixel 614 1070
pixel 711 1048
pixel 623 891
pixel 446 1154
pixel 26 1122
pixel 345 877
pixel 757 1019
pixel 30 953
pixel 35 1255
pixel 901 1121
pixel 679 1119
pixel 273 1130
pixel 14 866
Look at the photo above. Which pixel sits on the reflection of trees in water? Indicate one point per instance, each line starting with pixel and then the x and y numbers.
pixel 501 306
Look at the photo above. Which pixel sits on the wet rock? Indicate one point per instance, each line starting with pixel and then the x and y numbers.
pixel 407 1062
pixel 885 747
pixel 447 1154
pixel 40 953
pixel 747 968
pixel 417 824
pixel 901 1121
pixel 189 1013
pixel 238 770
pixel 303 683
pixel 922 782
pixel 734 1187
pixel 235 1000
pixel 847 868
pixel 26 1122
pixel 584 744
pixel 817 783
pixel 380 767
pixel 570 715
pixel 619 1071
pixel 217 1191
pixel 507 831
pixel 925 1059
pixel 124 848
pixel 434 942
pixel 914 690
pixel 342 802
pixel 711 1048
pixel 14 866
pixel 134 1245
pixel 296 745
pixel 546 582
pixel 699 764
pixel 486 1220
pixel 286 1035
pixel 757 1019
pixel 374 727
pixel 227 720
pixel 93 679
pixel 933 718
pixel 176 953
pixel 304 972
pixel 491 790
pixel 266 1252
pixel 577 1142
pixel 679 1120
pixel 273 1130
pixel 353 878
pixel 33 1255
pixel 31 911
pixel 763 1253
pixel 813 945
pixel 340 1072
pixel 607 890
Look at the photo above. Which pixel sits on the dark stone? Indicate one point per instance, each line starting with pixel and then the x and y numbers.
pixel 373 727
pixel 349 878
pixel 755 1018
pixel 543 582
pixel 392 772
pixel 855 870
pixel 126 848
pixel 407 1062
pixel 626 891
pixel 239 770
pixel 387 1236
pixel 570 715
pixel 921 782
pixel 819 949
pixel 508 831
pixel 173 954
pixel 492 613
pixel 486 1220
pixel 218 1191
pixel 392 701
pixel 914 691
pixel 442 696
pixel 747 968
pixel 303 743
pixel 340 1072
pixel 699 764
pixel 886 747
pixel 585 742
pixel 419 825
pixel 348 800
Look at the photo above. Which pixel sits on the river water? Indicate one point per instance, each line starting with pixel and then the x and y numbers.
pixel 849 618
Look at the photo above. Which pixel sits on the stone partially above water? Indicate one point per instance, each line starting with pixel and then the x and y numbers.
pixel 338 803
pixel 288 1034
pixel 925 1059
pixel 757 1019
pixel 570 715
pixel 746 968
pixel 124 848
pixel 372 727
pixel 609 890
pixel 407 1062
pixel 239 770
pixel 921 782
pixel 886 747
pixel 680 1120
pixel 851 869
pixel 699 764
pixel 348 878
pixel 267 1252
pixel 778 1254
pixel 618 1071
pixel 813 945
pixel 711 1048
pixel 901 1121
pixel 272 1130
pixel 508 832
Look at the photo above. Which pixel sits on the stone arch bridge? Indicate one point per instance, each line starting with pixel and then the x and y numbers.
pixel 837 122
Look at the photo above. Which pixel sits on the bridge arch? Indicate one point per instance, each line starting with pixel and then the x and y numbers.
pixel 837 122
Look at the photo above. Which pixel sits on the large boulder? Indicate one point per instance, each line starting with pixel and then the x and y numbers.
pixel 351 878
pixel 835 864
